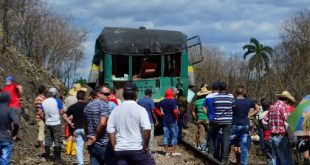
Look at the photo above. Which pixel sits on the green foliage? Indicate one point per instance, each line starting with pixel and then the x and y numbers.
pixel 259 55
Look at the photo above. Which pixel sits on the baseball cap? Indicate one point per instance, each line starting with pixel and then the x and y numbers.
pixel 9 78
pixel 130 87
pixel 52 91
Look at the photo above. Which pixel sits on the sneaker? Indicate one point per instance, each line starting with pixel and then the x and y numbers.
pixel 176 154
pixel 199 147
pixel 167 154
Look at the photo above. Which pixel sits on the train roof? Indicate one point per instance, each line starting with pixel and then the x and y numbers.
pixel 140 42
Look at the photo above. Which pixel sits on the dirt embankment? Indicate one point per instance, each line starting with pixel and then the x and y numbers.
pixel 30 77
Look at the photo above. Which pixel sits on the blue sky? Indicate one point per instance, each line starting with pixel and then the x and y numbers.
pixel 227 24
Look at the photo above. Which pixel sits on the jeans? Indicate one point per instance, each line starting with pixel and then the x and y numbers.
pixel 226 128
pixel 100 154
pixel 79 140
pixel 137 157
pixel 281 150
pixel 240 137
pixel 210 143
pixel 5 152
pixel 218 146
pixel 173 129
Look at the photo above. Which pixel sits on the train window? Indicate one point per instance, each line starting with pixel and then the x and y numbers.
pixel 146 67
pixel 172 65
pixel 120 66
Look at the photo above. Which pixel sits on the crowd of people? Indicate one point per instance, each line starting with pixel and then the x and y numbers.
pixel 229 120
pixel 122 132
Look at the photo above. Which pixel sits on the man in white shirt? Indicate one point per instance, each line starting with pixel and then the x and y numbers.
pixel 129 130
pixel 52 109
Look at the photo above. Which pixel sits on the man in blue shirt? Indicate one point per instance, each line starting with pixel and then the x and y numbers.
pixel 208 107
pixel 148 104
pixel 170 117
pixel 241 126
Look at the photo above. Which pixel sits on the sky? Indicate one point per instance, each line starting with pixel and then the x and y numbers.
pixel 226 24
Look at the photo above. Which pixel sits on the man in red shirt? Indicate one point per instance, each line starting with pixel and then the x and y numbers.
pixel 15 90
pixel 275 119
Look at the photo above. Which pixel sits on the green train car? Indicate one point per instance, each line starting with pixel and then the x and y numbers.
pixel 155 59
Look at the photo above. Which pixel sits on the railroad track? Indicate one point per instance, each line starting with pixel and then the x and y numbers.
pixel 202 155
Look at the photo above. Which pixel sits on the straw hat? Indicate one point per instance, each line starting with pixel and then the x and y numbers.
pixel 203 91
pixel 286 94
pixel 76 88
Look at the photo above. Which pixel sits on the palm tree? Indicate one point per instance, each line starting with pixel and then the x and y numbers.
pixel 260 56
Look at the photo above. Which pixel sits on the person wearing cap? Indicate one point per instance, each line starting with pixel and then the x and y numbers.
pixel 9 125
pixel 147 103
pixel 208 107
pixel 200 116
pixel 276 119
pixel 129 130
pixel 169 121
pixel 97 114
pixel 240 136
pixel 15 90
pixel 40 119
pixel 52 109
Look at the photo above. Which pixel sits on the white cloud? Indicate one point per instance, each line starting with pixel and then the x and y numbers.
pixel 228 24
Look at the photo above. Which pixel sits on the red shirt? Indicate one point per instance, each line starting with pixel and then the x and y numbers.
pixel 277 115
pixel 14 96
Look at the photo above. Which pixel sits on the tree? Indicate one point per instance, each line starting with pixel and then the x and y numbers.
pixel 260 59
pixel 81 81
pixel 294 58
pixel 54 42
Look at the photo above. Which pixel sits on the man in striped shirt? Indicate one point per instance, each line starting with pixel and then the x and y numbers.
pixel 40 119
pixel 223 104
pixel 97 113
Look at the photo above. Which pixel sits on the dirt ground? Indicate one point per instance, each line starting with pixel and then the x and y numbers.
pixel 256 156
pixel 186 157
